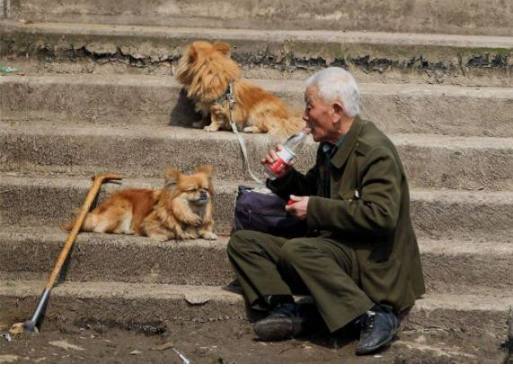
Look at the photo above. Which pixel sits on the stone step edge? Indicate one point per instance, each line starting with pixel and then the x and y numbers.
pixel 367 73
pixel 125 303
pixel 193 294
pixel 287 85
pixel 313 36
pixel 81 182
pixel 39 128
pixel 452 247
pixel 449 265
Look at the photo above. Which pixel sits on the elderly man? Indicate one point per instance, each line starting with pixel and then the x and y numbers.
pixel 360 260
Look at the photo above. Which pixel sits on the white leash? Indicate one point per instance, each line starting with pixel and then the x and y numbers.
pixel 231 101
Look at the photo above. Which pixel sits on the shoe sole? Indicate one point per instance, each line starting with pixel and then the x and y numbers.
pixel 274 330
pixel 379 346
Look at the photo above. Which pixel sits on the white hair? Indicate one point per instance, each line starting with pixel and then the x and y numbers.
pixel 337 84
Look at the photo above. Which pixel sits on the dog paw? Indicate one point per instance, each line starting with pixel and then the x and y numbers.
pixel 211 128
pixel 188 236
pixel 159 237
pixel 211 236
pixel 251 129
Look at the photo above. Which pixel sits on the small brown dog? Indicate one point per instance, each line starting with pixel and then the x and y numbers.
pixel 182 209
pixel 206 71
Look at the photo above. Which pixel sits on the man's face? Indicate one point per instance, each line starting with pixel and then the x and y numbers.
pixel 318 115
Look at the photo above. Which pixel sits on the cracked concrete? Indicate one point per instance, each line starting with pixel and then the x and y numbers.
pixel 285 51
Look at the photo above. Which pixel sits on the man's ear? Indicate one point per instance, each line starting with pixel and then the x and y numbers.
pixel 171 178
pixel 338 110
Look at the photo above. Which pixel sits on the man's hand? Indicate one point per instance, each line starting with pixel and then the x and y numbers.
pixel 272 157
pixel 297 206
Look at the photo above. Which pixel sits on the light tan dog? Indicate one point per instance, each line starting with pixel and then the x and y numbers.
pixel 182 209
pixel 206 71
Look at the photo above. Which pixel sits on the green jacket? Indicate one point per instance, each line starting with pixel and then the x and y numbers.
pixel 368 208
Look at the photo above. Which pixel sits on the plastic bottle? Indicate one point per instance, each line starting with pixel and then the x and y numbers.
pixel 286 155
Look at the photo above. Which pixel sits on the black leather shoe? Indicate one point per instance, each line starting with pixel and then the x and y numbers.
pixel 378 327
pixel 284 322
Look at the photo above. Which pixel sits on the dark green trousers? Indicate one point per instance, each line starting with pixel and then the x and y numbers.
pixel 327 270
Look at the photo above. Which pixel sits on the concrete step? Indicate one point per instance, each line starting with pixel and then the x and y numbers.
pixel 439 16
pixel 432 161
pixel 155 100
pixel 103 257
pixel 437 214
pixel 444 57
pixel 29 253
pixel 485 316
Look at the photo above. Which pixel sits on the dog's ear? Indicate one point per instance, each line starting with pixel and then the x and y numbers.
pixel 222 47
pixel 192 52
pixel 206 169
pixel 171 178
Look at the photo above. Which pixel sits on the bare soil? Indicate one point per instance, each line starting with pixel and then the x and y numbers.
pixel 228 342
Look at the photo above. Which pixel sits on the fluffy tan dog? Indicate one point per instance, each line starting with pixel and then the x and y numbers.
pixel 206 71
pixel 182 209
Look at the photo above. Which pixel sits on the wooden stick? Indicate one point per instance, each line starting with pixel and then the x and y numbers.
pixel 84 210
pixel 31 325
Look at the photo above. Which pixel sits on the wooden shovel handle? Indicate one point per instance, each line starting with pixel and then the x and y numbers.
pixel 98 180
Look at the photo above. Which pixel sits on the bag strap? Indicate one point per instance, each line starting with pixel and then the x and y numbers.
pixel 231 101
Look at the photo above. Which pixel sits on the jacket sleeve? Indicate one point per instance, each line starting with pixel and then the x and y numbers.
pixel 376 211
pixel 295 183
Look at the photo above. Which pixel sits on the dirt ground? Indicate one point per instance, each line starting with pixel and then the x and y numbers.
pixel 228 342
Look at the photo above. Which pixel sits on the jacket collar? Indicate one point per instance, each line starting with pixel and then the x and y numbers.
pixel 350 140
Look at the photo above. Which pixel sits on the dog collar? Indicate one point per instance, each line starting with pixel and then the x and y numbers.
pixel 227 96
